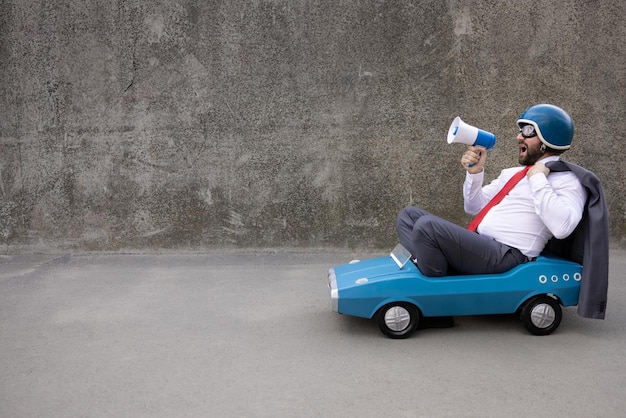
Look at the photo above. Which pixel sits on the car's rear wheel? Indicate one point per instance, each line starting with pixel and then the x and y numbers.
pixel 542 315
pixel 398 320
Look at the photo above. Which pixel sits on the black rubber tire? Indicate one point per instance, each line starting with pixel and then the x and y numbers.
pixel 403 316
pixel 542 315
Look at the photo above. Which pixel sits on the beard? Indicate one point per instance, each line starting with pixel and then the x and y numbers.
pixel 529 155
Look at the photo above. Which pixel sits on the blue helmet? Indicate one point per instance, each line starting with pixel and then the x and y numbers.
pixel 554 125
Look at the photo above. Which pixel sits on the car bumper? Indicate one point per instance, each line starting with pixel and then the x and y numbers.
pixel 334 293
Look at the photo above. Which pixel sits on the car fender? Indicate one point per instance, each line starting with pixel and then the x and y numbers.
pixel 394 300
pixel 534 295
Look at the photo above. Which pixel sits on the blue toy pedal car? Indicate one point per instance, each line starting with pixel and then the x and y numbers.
pixel 398 296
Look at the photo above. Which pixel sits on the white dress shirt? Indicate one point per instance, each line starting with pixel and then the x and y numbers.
pixel 534 211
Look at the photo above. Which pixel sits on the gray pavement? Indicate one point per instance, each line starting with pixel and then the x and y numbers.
pixel 239 334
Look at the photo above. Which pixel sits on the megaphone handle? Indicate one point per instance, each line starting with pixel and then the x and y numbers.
pixel 472 165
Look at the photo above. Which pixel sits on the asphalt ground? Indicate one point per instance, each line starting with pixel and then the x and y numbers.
pixel 238 334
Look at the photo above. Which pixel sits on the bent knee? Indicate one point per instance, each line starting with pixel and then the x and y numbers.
pixel 410 214
pixel 426 224
pixel 404 216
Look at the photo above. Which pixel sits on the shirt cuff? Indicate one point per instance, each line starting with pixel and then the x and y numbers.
pixel 474 178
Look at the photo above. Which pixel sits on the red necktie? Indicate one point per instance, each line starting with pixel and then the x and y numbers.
pixel 498 197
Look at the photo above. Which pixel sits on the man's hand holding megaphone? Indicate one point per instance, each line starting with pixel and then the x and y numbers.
pixel 474 159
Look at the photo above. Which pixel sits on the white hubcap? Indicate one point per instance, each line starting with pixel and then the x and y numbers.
pixel 542 315
pixel 397 318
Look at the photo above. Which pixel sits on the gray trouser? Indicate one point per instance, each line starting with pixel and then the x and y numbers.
pixel 444 248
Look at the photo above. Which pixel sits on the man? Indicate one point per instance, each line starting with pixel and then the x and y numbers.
pixel 541 205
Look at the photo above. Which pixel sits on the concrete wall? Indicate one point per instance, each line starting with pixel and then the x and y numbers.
pixel 175 124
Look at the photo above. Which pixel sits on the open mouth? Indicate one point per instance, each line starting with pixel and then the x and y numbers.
pixel 522 149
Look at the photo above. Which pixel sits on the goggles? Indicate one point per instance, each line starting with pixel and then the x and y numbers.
pixel 528 131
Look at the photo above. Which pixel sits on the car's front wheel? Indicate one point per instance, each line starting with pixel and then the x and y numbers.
pixel 542 315
pixel 398 320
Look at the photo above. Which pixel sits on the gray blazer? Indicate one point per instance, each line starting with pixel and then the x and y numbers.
pixel 588 244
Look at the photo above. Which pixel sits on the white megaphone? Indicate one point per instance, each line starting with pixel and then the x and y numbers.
pixel 461 132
